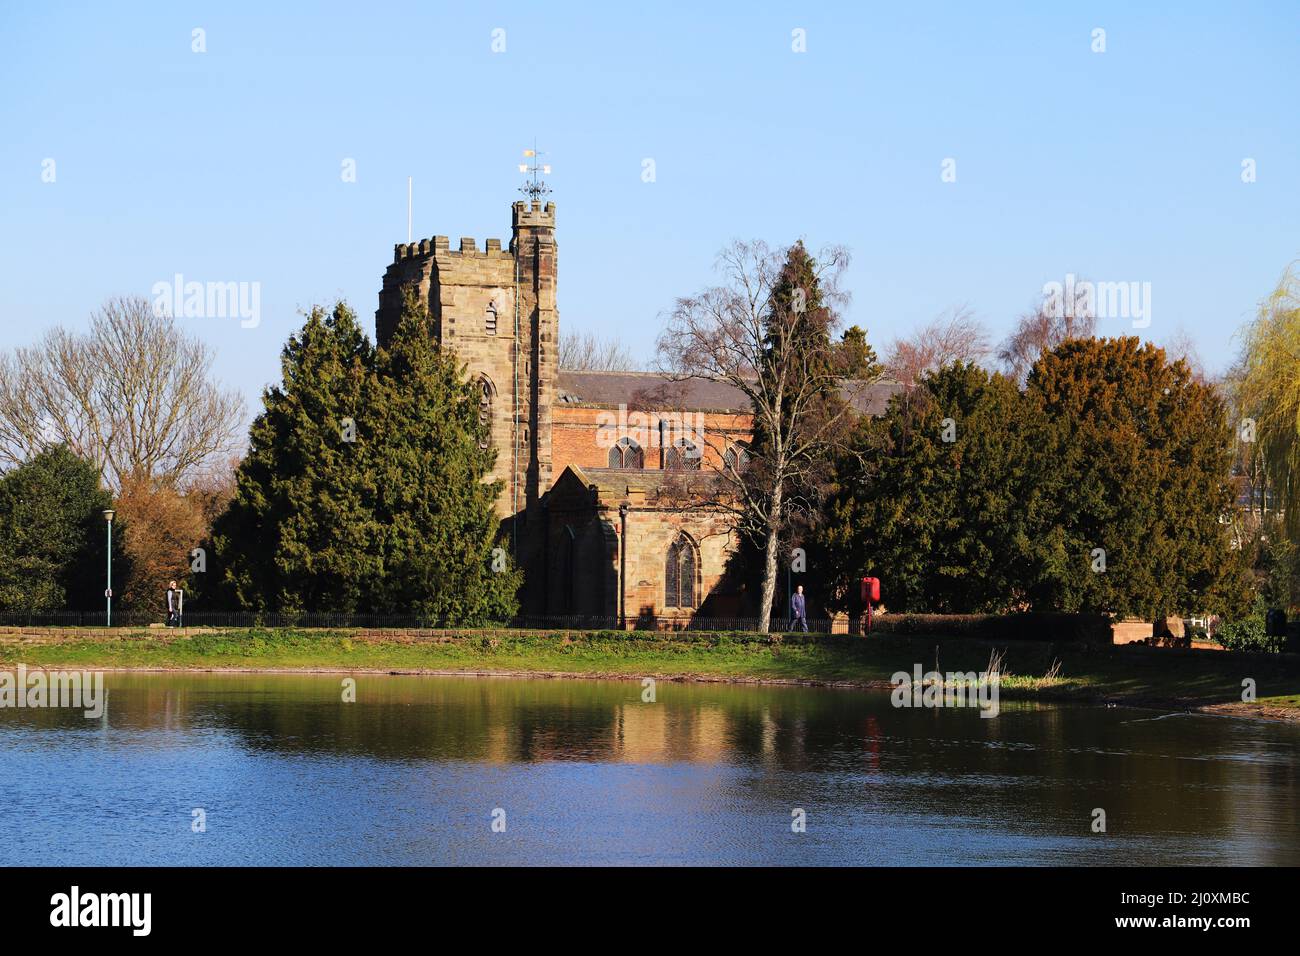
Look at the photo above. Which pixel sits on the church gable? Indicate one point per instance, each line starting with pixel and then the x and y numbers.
pixel 572 490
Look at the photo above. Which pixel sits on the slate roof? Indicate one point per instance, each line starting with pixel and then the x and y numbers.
pixel 612 484
pixel 651 390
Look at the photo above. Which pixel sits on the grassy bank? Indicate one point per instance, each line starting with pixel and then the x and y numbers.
pixel 1124 674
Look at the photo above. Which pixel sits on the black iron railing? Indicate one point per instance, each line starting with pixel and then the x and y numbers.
pixel 331 619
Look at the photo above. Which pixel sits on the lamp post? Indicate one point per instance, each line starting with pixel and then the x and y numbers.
pixel 108 591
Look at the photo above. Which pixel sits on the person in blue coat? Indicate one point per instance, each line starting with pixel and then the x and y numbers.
pixel 798 610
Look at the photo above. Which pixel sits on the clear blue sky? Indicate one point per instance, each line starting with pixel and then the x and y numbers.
pixel 225 165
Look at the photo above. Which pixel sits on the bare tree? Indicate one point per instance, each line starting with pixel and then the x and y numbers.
pixel 1048 324
pixel 134 395
pixel 774 347
pixel 952 336
pixel 587 351
pixel 1181 345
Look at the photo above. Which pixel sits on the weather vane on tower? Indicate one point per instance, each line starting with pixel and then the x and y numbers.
pixel 535 188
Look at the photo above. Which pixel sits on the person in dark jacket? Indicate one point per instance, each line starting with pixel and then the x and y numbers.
pixel 798 612
pixel 175 604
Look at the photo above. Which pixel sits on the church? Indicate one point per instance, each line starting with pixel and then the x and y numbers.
pixel 596 467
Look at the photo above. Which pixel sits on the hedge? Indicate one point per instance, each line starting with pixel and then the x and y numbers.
pixel 1052 627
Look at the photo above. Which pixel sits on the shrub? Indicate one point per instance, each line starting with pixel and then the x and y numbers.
pixel 1247 634
pixel 1059 628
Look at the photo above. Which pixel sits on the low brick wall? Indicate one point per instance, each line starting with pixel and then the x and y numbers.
pixel 53 635
pixel 1124 632
pixel 1129 631
pixel 386 635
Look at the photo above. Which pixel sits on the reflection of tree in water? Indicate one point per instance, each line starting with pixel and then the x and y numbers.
pixel 501 720
pixel 1031 769
pixel 496 719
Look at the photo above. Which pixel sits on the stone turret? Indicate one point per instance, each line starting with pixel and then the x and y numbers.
pixel 532 245
pixel 496 310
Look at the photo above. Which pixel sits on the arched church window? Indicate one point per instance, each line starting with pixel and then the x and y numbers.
pixel 485 411
pixel 683 455
pixel 736 457
pixel 626 454
pixel 490 319
pixel 679 573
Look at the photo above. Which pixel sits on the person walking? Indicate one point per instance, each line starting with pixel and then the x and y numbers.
pixel 798 612
pixel 175 604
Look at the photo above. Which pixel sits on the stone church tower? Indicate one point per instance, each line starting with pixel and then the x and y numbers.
pixel 605 535
pixel 495 310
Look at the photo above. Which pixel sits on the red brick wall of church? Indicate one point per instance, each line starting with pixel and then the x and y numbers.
pixel 577 437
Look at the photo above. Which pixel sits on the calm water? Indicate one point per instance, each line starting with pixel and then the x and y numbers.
pixel 586 773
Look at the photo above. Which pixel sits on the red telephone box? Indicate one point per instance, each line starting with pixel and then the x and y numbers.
pixel 870 594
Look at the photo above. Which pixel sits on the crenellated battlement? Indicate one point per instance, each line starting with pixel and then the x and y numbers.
pixel 526 215
pixel 441 245
pixel 534 214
